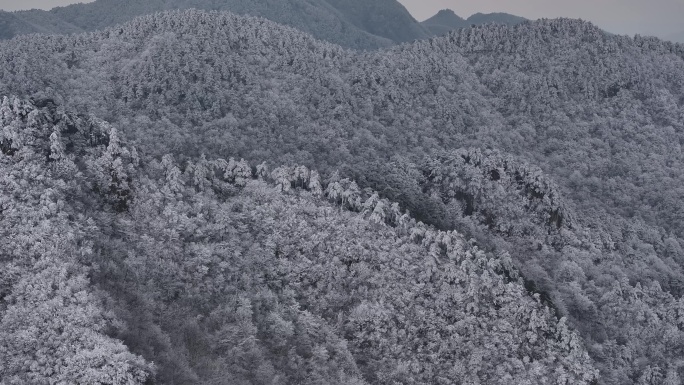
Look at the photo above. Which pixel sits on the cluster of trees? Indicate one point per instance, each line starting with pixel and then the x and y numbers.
pixel 54 325
pixel 550 141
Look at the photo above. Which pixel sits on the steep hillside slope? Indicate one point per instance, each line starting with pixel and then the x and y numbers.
pixel 550 141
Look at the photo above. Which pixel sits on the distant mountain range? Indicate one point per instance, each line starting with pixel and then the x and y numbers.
pixel 360 24
pixel 350 23
pixel 446 20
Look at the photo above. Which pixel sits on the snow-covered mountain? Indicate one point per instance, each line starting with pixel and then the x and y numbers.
pixel 201 197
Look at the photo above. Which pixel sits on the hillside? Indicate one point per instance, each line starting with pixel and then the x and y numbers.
pixel 552 145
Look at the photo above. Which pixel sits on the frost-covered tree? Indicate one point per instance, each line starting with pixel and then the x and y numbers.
pixel 54 331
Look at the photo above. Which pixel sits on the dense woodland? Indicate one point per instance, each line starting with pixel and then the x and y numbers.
pixel 198 197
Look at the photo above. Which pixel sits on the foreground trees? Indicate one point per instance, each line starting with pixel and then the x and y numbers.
pixel 210 274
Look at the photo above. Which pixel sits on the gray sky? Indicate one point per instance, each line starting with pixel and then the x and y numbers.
pixel 655 17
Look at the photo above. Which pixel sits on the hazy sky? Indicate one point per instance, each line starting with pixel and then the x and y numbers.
pixel 656 17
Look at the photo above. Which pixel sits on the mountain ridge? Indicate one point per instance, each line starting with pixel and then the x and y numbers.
pixel 497 17
pixel 363 24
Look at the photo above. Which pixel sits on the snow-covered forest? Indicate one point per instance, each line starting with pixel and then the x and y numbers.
pixel 200 197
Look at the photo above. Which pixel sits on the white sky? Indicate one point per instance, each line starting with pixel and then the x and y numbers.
pixel 655 17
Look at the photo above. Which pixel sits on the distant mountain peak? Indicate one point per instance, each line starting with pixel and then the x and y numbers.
pixel 444 21
pixel 446 11
pixel 496 17
pixel 447 20
pixel 444 17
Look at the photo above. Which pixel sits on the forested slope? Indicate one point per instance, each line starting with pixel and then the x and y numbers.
pixel 550 141
pixel 218 272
